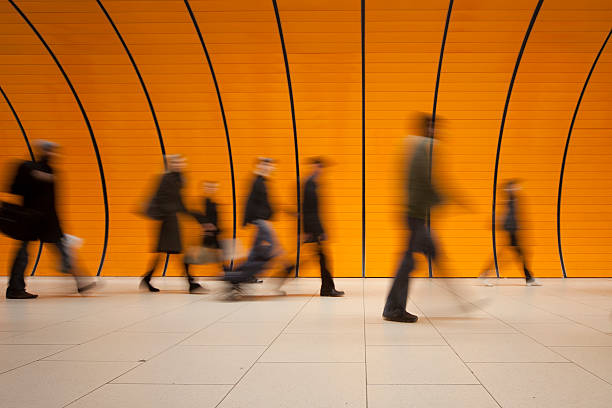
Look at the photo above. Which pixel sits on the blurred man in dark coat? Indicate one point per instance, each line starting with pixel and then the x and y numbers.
pixel 258 212
pixel 422 196
pixel 167 203
pixel 36 183
pixel 313 227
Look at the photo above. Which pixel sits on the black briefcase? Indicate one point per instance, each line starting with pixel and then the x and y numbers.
pixel 18 222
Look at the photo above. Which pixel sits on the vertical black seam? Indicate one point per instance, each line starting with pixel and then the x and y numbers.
pixel 295 140
pixel 501 128
pixel 89 128
pixel 433 117
pixel 144 89
pixel 227 135
pixel 567 142
pixel 27 141
pixel 363 144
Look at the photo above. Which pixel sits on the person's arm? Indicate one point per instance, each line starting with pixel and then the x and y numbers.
pixel 43 176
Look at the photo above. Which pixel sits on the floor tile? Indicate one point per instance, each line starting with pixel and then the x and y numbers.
pixel 601 323
pixel 471 325
pixel 153 396
pixel 196 365
pixel 326 324
pixel 416 365
pixel 597 360
pixel 316 348
pixel 53 384
pixel 121 346
pixel 300 385
pixel 543 385
pixel 396 334
pixel 176 321
pixel 564 334
pixel 502 347
pixel 62 333
pixel 429 396
pixel 15 355
pixel 236 334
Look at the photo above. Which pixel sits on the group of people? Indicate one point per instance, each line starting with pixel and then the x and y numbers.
pixel 167 202
pixel 35 182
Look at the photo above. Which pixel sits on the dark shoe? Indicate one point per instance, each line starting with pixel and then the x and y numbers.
pixel 197 288
pixel 402 317
pixel 332 293
pixel 20 295
pixel 87 287
pixel 254 279
pixel 147 285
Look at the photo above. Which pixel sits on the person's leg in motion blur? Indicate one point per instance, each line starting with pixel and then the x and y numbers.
pixel 395 307
pixel 68 265
pixel 16 286
pixel 194 287
pixel 516 246
pixel 146 279
pixel 328 288
pixel 259 255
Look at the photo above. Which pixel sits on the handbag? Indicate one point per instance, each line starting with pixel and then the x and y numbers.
pixel 18 222
pixel 202 256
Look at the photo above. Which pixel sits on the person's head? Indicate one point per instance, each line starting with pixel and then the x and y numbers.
pixel 317 165
pixel 210 187
pixel 45 150
pixel 175 162
pixel 427 125
pixel 512 185
pixel 264 166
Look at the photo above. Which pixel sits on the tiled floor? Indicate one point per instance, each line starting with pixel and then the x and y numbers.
pixel 474 346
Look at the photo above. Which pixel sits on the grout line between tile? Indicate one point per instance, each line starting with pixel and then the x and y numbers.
pixel 263 352
pixel 535 340
pixel 155 355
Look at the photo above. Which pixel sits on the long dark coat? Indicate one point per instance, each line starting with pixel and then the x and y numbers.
pixel 170 202
pixel 310 209
pixel 39 195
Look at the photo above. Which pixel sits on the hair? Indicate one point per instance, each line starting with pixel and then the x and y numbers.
pixel 46 146
pixel 426 121
pixel 511 182
pixel 316 160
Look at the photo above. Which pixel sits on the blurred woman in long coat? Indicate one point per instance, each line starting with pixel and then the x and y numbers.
pixel 165 206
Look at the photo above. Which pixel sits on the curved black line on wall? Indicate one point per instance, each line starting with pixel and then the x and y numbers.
pixel 363 144
pixel 89 128
pixel 144 89
pixel 503 122
pixel 434 110
pixel 567 142
pixel 27 141
pixel 295 140
pixel 227 135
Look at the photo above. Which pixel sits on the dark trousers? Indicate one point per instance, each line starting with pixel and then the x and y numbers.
pixel 17 281
pixel 260 255
pixel 327 282
pixel 147 277
pixel 516 246
pixel 420 242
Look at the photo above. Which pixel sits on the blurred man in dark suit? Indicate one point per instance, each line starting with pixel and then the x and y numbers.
pixel 313 227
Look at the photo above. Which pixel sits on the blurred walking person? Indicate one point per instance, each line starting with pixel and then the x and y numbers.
pixel 164 207
pixel 313 227
pixel 511 226
pixel 36 182
pixel 422 196
pixel 259 212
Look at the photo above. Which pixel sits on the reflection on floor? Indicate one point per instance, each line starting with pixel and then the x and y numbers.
pixel 474 346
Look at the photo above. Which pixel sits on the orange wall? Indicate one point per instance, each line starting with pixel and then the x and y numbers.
pixel 323 43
